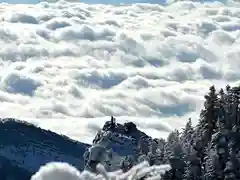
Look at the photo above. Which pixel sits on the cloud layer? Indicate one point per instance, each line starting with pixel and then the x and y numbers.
pixel 64 65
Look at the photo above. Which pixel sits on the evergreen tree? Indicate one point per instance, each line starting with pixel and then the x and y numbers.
pixel 207 124
pixel 187 138
pixel 208 116
pixel 172 140
pixel 177 162
pixel 156 153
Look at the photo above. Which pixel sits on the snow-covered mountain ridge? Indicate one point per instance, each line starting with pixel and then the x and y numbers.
pixel 25 147
pixel 28 147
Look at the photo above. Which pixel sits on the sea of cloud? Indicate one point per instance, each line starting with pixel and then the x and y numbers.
pixel 67 67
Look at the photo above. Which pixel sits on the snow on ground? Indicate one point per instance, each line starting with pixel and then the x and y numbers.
pixel 63 171
pixel 67 66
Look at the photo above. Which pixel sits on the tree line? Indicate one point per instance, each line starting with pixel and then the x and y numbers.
pixel 211 149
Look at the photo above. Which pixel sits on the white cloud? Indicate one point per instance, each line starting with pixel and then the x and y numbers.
pixel 63 171
pixel 57 171
pixel 64 65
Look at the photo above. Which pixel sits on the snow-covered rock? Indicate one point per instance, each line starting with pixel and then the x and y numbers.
pixel 122 142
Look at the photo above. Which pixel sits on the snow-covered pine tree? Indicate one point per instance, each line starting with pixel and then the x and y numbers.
pixel 172 139
pixel 186 138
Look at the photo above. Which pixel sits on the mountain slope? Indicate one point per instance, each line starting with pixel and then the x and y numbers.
pixel 29 147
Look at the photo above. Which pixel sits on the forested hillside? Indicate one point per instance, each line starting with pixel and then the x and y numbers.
pixel 211 150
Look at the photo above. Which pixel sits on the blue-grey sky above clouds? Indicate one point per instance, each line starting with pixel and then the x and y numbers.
pixel 86 1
